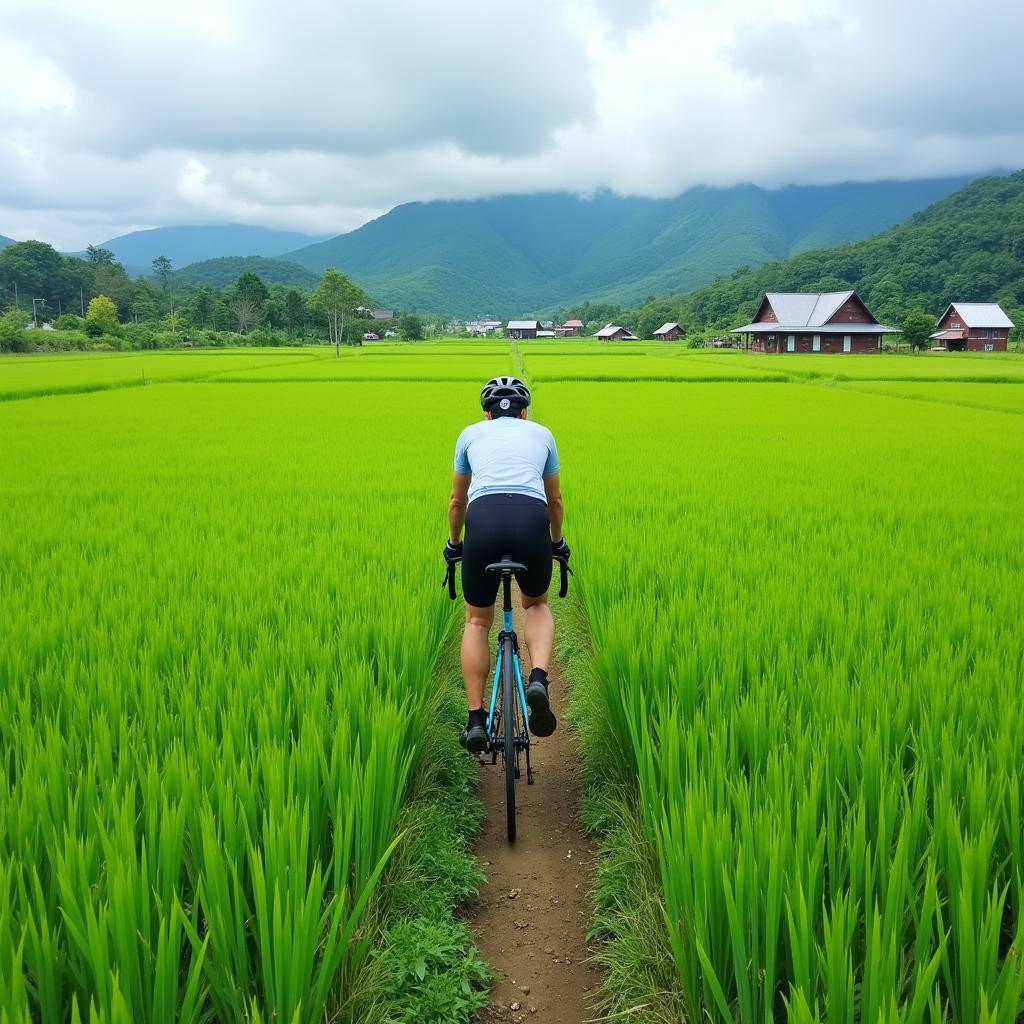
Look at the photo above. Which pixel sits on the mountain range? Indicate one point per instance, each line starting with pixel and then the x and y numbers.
pixel 5 241
pixel 526 253
pixel 967 247
pixel 192 243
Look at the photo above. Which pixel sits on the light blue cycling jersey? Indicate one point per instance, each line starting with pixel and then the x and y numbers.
pixel 506 456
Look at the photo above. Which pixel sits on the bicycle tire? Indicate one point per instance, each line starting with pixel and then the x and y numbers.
pixel 508 706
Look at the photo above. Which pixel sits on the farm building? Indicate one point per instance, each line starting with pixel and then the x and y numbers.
pixel 612 332
pixel 570 329
pixel 519 329
pixel 814 322
pixel 973 327
pixel 670 332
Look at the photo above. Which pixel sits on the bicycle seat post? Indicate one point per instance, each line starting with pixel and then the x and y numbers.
pixel 506 567
pixel 506 590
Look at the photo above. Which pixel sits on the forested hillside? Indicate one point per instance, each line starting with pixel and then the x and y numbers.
pixel 5 241
pixel 968 247
pixel 522 253
pixel 219 273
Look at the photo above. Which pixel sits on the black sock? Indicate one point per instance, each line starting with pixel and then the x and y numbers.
pixel 538 675
pixel 477 717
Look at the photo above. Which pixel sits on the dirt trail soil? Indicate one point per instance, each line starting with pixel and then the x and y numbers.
pixel 532 918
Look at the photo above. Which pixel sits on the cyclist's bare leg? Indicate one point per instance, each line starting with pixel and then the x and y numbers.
pixel 540 630
pixel 476 653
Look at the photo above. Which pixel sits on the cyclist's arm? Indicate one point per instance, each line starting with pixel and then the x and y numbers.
pixel 457 505
pixel 556 508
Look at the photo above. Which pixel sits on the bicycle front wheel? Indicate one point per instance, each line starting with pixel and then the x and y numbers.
pixel 508 713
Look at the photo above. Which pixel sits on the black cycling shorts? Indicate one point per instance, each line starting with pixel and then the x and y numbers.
pixel 515 526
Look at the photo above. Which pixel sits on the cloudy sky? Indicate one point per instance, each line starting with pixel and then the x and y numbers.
pixel 317 115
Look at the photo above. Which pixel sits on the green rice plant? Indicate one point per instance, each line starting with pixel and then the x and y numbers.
pixel 806 650
pixel 222 622
pixel 29 376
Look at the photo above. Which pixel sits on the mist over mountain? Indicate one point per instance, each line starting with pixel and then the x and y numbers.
pixel 523 253
pixel 191 243
pixel 5 241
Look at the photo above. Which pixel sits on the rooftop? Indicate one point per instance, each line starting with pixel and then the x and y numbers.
pixel 980 314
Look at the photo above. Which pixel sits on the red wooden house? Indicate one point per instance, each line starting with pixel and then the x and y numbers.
pixel 570 329
pixel 814 322
pixel 973 327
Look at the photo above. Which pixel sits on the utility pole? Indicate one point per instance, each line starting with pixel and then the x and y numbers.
pixel 81 299
pixel 16 306
pixel 42 302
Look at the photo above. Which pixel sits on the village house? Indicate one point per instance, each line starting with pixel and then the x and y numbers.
pixel 612 332
pixel 670 332
pixel 973 327
pixel 814 322
pixel 481 328
pixel 520 329
pixel 570 329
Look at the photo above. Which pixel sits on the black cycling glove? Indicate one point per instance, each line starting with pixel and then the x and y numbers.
pixel 452 552
pixel 560 550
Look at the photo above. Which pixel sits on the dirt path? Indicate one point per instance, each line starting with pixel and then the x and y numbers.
pixel 532 918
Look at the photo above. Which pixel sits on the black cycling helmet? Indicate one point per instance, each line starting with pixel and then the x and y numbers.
pixel 512 389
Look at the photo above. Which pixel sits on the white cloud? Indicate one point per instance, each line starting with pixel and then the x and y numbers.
pixel 317 116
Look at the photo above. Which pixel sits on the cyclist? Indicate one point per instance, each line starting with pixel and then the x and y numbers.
pixel 506 493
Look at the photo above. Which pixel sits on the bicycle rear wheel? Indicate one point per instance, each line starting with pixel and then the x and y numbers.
pixel 508 713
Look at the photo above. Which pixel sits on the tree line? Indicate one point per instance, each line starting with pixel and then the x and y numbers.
pixel 91 302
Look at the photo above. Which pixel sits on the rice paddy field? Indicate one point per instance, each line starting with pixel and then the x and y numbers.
pixel 797 647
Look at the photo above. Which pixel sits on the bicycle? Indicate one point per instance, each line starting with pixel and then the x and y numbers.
pixel 507 727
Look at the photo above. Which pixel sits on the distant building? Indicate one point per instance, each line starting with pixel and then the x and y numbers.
pixel 670 332
pixel 376 314
pixel 570 329
pixel 481 328
pixel 612 332
pixel 546 334
pixel 370 336
pixel 974 327
pixel 814 322
pixel 520 329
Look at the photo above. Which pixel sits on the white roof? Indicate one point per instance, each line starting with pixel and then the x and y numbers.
pixel 806 309
pixel 523 325
pixel 800 311
pixel 980 314
pixel 665 328
pixel 610 330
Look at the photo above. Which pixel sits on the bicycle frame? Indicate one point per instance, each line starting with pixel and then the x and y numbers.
pixel 506 630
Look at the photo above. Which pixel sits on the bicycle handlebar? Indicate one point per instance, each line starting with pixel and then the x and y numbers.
pixel 563 585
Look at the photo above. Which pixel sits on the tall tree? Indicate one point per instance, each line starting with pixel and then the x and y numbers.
pixel 294 311
pixel 252 287
pixel 917 328
pixel 203 308
pixel 102 314
pixel 246 311
pixel 337 297
pixel 164 273
pixel 410 327
pixel 97 254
